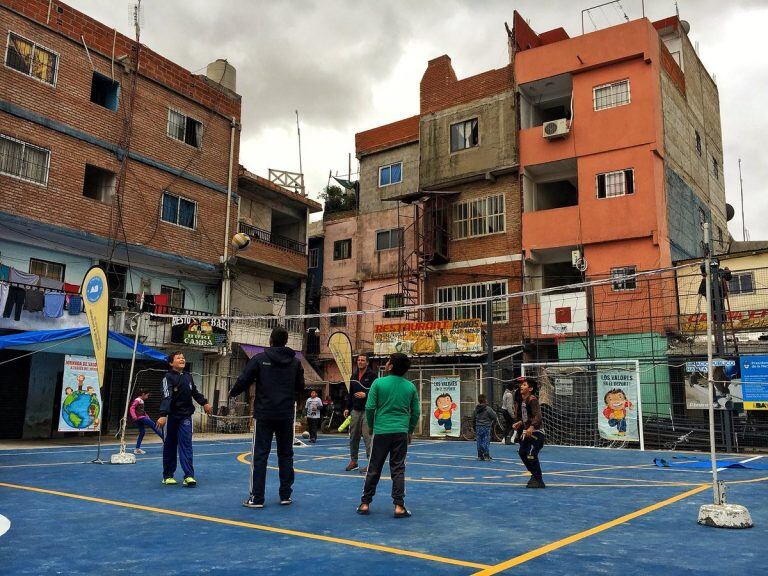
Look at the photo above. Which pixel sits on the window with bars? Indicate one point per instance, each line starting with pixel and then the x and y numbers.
pixel 342 249
pixel 741 283
pixel 46 269
pixel 175 296
pixel 31 59
pixel 314 257
pixel 618 183
pixel 185 129
pixel 611 95
pixel 390 174
pixel 479 217
pixel 24 161
pixel 619 281
pixel 448 294
pixel 464 135
pixel 340 320
pixel 179 211
pixel 394 301
pixel 386 239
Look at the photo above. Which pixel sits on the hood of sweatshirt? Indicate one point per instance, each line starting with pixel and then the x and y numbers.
pixel 281 355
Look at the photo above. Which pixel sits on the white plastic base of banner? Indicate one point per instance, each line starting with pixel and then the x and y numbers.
pixel 724 516
pixel 299 443
pixel 123 458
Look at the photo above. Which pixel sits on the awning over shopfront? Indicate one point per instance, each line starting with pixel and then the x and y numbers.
pixel 76 341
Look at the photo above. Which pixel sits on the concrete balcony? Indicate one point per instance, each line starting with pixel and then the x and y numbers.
pixel 551 228
pixel 273 251
pixel 535 149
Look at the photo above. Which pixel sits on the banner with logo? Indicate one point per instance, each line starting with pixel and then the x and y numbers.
pixel 207 332
pixel 341 348
pixel 445 412
pixel 735 320
pixel 440 338
pixel 726 387
pixel 80 395
pixel 95 293
pixel 754 382
pixel 617 405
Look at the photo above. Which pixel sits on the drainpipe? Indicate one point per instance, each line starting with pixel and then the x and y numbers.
pixel 225 287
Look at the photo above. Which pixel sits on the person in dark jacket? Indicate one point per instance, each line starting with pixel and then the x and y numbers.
pixel 528 423
pixel 484 417
pixel 176 411
pixel 359 385
pixel 279 380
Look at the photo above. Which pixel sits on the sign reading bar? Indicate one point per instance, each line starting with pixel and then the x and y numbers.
pixel 439 338
pixel 207 332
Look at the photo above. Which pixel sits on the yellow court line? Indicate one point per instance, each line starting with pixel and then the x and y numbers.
pixel 261 527
pixel 517 560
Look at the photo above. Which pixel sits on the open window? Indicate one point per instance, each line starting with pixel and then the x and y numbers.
pixel 98 184
pixel 104 91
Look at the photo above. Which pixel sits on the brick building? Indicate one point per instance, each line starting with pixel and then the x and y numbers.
pixel 109 154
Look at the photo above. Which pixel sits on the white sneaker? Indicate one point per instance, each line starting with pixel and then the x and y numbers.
pixel 139 451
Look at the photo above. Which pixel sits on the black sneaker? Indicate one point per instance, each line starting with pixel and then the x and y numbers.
pixel 533 483
pixel 285 501
pixel 252 503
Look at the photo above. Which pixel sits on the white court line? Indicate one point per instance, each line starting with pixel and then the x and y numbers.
pixel 742 462
pixel 82 462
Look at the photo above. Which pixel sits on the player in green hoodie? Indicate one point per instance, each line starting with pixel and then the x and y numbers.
pixel 392 410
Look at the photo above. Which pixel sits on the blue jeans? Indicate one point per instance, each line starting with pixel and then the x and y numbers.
pixel 141 424
pixel 178 437
pixel 619 423
pixel 483 440
pixel 446 422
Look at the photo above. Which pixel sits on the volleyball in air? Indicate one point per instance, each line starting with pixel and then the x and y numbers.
pixel 241 241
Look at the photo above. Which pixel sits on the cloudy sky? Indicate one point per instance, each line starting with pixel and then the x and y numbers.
pixel 347 66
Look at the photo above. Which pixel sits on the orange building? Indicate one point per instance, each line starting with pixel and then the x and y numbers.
pixel 620 161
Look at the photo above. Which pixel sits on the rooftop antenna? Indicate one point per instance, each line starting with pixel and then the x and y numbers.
pixel 743 224
pixel 298 131
pixel 137 15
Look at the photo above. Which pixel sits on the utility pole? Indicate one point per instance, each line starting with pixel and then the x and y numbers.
pixel 489 343
pixel 298 131
pixel 743 224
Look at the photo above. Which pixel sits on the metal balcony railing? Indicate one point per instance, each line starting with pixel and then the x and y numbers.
pixel 274 239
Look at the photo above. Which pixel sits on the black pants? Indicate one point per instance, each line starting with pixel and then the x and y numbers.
pixel 396 447
pixel 529 453
pixel 16 297
pixel 508 421
pixel 264 430
pixel 313 424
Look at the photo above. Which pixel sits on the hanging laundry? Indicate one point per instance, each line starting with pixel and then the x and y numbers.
pixel 18 277
pixel 35 301
pixel 3 294
pixel 71 288
pixel 54 305
pixel 149 303
pixel 50 283
pixel 15 300
pixel 4 271
pixel 161 304
pixel 75 305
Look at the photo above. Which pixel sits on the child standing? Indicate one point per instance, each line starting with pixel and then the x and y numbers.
pixel 484 418
pixel 176 409
pixel 528 423
pixel 312 408
pixel 141 419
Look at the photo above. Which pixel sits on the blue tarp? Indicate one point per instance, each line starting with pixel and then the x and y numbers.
pixel 76 341
pixel 706 464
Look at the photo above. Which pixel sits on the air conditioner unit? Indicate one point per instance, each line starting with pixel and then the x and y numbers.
pixel 556 129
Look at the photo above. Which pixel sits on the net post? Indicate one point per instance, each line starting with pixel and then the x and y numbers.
pixel 639 406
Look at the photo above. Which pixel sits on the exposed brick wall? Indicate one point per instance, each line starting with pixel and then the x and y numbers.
pixel 72 24
pixel 62 202
pixel 387 136
pixel 440 89
pixel 669 66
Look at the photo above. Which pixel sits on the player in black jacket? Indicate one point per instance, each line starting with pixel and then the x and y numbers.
pixel 529 425
pixel 176 411
pixel 279 379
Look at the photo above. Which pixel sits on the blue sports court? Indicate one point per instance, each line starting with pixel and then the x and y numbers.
pixel 603 512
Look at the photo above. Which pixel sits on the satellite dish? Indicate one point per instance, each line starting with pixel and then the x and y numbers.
pixel 685 26
pixel 729 212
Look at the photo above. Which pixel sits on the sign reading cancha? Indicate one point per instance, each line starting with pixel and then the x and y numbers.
pixel 440 338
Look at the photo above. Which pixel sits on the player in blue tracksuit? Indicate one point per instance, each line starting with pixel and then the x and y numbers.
pixel 176 411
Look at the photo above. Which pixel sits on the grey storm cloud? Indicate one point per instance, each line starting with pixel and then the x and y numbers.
pixel 326 58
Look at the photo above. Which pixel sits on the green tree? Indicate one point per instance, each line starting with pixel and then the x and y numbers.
pixel 338 199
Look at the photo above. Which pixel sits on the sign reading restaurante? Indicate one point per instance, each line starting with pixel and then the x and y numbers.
pixel 439 338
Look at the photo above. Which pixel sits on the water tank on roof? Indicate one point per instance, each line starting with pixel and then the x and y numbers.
pixel 222 72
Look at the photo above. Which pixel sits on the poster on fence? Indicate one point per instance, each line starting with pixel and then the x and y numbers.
pixel 726 390
pixel 617 405
pixel 754 382
pixel 80 395
pixel 445 418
